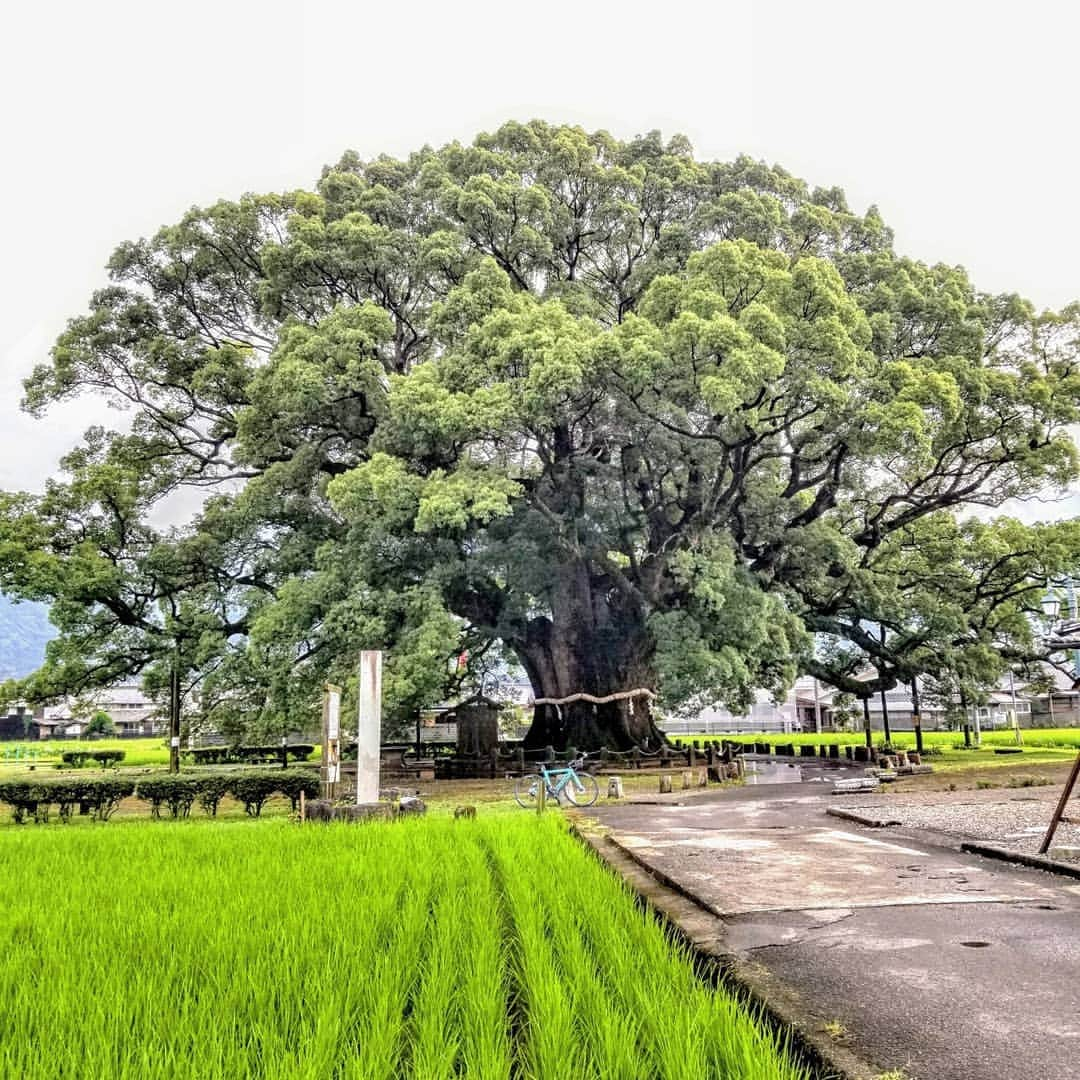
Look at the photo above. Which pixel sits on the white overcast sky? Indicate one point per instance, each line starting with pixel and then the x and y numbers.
pixel 957 118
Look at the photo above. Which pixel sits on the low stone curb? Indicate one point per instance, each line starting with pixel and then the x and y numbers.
pixel 1036 862
pixel 860 819
pixel 704 931
pixel 855 785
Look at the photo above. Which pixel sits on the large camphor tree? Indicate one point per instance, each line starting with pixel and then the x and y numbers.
pixel 642 422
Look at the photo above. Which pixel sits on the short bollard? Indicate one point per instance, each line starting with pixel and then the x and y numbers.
pixel 665 785
pixel 703 778
pixel 687 779
pixel 614 787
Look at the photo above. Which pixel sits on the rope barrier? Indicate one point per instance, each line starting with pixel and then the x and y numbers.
pixel 622 695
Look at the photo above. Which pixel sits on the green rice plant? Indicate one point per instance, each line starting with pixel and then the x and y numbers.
pixel 417 949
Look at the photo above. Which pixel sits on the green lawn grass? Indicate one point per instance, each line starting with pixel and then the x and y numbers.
pixel 429 949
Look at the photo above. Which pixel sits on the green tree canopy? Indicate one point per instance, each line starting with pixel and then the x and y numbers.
pixel 642 421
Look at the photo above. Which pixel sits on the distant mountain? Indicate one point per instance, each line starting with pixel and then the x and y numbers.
pixel 24 630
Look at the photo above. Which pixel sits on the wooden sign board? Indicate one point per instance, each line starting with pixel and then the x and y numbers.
pixel 331 748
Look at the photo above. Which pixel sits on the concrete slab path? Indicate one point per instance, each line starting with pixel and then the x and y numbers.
pixel 940 963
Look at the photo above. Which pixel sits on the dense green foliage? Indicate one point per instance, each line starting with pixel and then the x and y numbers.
pixel 102 795
pixel 98 795
pixel 177 793
pixel 467 960
pixel 101 723
pixel 225 755
pixel 640 420
pixel 104 756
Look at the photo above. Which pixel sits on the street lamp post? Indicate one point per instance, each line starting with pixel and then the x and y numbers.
pixel 916 714
pixel 1064 635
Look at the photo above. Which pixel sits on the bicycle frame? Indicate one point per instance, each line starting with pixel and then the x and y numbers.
pixel 565 776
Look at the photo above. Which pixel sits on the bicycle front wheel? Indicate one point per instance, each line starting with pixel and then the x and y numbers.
pixel 585 792
pixel 526 791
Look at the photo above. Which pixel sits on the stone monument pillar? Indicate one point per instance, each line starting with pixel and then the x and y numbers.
pixel 369 730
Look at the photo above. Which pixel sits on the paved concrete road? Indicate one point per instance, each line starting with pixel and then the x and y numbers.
pixel 946 965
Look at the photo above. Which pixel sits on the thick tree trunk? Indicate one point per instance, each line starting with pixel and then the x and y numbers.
pixel 595 642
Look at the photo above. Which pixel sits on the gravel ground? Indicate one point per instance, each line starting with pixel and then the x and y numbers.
pixel 1015 821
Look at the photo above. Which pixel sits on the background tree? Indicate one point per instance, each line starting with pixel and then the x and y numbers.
pixel 647 422
pixel 101 723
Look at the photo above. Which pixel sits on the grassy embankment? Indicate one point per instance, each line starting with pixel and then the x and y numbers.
pixel 428 949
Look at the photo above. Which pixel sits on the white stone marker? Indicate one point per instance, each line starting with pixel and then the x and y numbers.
pixel 369 731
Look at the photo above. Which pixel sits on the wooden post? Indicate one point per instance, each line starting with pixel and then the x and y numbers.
pixel 703 778
pixel 303 806
pixel 1059 811
pixel 330 773
pixel 665 784
pixel 687 779
pixel 369 727
pixel 541 795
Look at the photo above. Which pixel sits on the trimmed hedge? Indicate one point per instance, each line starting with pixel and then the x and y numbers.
pixel 212 789
pixel 77 759
pixel 297 782
pixel 99 796
pixel 248 755
pixel 253 789
pixel 102 795
pixel 176 792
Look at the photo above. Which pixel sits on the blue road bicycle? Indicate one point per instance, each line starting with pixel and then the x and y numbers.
pixel 564 784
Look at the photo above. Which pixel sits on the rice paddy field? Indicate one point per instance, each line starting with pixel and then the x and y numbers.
pixel 490 948
pixel 15 756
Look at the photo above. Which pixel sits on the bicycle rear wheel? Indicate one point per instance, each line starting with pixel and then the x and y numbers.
pixel 589 792
pixel 527 791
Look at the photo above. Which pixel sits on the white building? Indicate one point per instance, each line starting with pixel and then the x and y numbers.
pixel 130 710
pixel 797 712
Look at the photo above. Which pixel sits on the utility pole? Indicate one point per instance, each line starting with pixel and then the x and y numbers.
pixel 817 706
pixel 866 722
pixel 916 714
pixel 884 703
pixel 174 714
